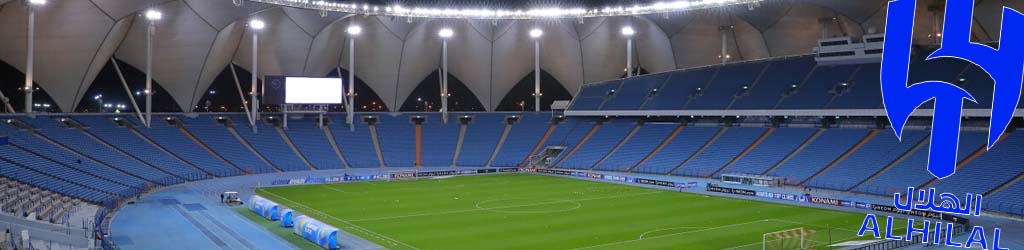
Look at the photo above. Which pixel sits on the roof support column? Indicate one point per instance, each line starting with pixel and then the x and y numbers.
pixel 444 80
pixel 150 29
pixel 256 25
pixel 351 83
pixel 30 58
pixel 124 83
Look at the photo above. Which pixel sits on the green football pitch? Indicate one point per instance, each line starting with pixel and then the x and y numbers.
pixel 527 211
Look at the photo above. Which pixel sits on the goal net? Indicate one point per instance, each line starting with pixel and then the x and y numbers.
pixel 797 238
pixel 400 175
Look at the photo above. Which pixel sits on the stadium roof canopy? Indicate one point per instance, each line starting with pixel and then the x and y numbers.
pixel 196 39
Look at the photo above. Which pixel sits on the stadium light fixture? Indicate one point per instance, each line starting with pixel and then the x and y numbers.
pixel 350 101
pixel 446 33
pixel 30 40
pixel 628 31
pixel 354 30
pixel 257 24
pixel 537 12
pixel 153 15
pixel 536 33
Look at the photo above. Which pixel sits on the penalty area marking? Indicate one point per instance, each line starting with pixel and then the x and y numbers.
pixel 667 235
pixel 576 205
pixel 686 232
pixel 666 229
pixel 328 186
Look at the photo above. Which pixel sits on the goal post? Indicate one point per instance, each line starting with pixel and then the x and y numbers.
pixel 400 175
pixel 789 239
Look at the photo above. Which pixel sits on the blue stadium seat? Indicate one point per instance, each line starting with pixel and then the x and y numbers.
pixel 592 96
pixel 989 170
pixel 397 135
pixel 723 150
pixel 649 137
pixel 569 135
pixel 772 150
pixel 313 144
pixel 62 172
pixel 43 122
pixel 79 141
pixel 220 140
pixel 673 95
pixel 912 171
pixel 439 140
pixel 31 143
pixel 482 135
pixel 777 78
pixel 524 136
pixel 174 140
pixel 729 81
pixel 269 143
pixel 105 129
pixel 865 90
pixel 634 92
pixel 814 93
pixel 870 158
pixel 1007 200
pixel 684 145
pixel 356 145
pixel 819 154
pixel 25 175
pixel 600 144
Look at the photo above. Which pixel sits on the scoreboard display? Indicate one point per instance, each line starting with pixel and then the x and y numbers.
pixel 303 90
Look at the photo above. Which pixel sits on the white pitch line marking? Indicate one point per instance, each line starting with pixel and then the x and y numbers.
pixel 674 234
pixel 666 229
pixel 504 207
pixel 351 225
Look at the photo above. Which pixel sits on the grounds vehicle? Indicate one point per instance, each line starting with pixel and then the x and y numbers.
pixel 231 198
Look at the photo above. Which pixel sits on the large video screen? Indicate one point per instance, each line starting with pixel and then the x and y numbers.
pixel 308 90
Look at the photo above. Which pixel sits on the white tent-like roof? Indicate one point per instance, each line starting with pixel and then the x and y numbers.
pixel 197 39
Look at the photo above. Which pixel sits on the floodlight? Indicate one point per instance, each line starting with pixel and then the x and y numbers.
pixel 536 33
pixel 628 31
pixel 37 2
pixel 354 30
pixel 257 24
pixel 153 15
pixel 446 33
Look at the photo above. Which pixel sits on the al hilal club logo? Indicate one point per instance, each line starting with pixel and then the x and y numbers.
pixel 1005 65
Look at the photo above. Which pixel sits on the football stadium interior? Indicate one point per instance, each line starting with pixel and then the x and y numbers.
pixel 518 124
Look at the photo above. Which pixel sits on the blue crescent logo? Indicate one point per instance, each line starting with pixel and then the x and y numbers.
pixel 1005 65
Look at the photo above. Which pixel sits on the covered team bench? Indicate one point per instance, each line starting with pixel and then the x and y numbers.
pixel 264 207
pixel 318 232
